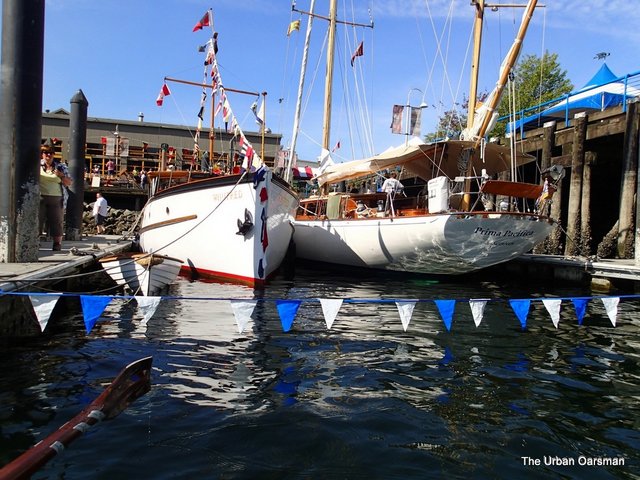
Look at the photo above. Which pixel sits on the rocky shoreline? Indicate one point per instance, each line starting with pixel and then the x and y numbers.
pixel 118 222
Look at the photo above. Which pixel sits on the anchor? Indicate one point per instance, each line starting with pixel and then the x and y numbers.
pixel 246 226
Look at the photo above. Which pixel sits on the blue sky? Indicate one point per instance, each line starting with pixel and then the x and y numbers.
pixel 118 53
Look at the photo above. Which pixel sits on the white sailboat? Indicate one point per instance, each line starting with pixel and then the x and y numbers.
pixel 438 231
pixel 233 225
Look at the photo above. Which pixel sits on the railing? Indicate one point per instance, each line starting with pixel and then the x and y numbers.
pixel 534 117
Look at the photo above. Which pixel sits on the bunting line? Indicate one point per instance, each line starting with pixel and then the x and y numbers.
pixel 93 307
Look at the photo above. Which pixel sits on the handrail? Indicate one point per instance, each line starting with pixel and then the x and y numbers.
pixel 630 80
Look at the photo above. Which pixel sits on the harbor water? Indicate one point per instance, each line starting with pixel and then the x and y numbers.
pixel 362 400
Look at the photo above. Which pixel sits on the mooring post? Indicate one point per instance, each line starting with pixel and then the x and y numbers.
pixel 77 148
pixel 20 128
pixel 585 206
pixel 628 182
pixel 575 186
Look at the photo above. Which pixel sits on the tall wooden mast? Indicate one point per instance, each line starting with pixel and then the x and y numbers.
pixel 328 85
pixel 475 61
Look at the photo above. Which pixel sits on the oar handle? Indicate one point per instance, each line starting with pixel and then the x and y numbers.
pixel 131 383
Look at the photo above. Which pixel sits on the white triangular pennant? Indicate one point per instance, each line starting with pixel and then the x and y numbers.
pixel 43 305
pixel 477 310
pixel 405 309
pixel 553 307
pixel 330 309
pixel 147 306
pixel 611 306
pixel 242 311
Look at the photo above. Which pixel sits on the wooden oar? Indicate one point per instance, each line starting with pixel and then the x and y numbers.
pixel 132 382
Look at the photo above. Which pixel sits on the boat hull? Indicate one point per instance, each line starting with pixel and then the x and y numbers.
pixel 440 244
pixel 142 273
pixel 199 221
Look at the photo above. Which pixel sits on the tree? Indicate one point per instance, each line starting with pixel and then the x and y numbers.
pixel 536 80
pixel 452 122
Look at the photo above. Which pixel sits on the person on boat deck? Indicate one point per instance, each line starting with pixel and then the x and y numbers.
pixel 392 184
pixel 54 176
pixel 100 212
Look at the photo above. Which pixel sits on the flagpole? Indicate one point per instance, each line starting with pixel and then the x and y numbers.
pixel 262 125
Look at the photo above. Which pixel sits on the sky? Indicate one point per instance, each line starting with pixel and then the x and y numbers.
pixel 118 53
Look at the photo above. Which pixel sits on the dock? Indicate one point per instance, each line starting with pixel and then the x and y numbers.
pixel 600 274
pixel 64 270
pixel 75 256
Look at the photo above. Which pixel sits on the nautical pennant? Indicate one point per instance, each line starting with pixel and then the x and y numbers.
pixel 553 307
pixel 611 306
pixel 43 305
pixel 287 310
pixel 147 306
pixel 477 310
pixel 405 309
pixel 295 25
pixel 330 309
pixel 580 305
pixel 205 21
pixel 446 308
pixel 358 53
pixel 242 311
pixel 92 308
pixel 521 309
pixel 164 92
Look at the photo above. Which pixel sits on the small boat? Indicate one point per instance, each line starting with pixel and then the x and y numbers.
pixel 232 223
pixel 459 218
pixel 142 273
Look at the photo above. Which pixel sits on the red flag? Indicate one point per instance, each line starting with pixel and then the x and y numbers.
pixel 164 91
pixel 336 147
pixel 358 53
pixel 205 21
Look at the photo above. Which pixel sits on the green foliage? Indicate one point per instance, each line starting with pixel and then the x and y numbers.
pixel 536 80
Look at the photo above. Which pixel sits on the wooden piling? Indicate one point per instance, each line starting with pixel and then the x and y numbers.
pixel 628 183
pixel 585 206
pixel 575 189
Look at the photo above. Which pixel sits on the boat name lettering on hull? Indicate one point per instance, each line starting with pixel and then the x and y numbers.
pixel 499 233
pixel 235 195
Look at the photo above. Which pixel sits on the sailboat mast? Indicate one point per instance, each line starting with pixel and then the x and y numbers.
pixel 288 175
pixel 326 126
pixel 475 62
pixel 506 68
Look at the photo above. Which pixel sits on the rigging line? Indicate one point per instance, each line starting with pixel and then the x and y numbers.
pixel 361 95
pixel 542 58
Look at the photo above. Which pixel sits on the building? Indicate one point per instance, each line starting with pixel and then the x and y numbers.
pixel 144 145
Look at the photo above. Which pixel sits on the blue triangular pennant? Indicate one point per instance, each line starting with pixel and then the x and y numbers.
pixel 521 309
pixel 446 308
pixel 92 308
pixel 287 310
pixel 580 305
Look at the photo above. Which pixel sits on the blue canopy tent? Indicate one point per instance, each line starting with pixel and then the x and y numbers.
pixel 604 90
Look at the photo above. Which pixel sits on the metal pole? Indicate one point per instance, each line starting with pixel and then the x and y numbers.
pixel 77 147
pixel 20 128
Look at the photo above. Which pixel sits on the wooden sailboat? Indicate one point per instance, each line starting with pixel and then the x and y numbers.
pixel 439 231
pixel 234 224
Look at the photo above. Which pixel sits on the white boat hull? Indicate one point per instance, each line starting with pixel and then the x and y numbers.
pixel 442 244
pixel 198 222
pixel 142 273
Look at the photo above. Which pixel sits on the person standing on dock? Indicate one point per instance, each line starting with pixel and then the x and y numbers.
pixel 54 177
pixel 100 211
